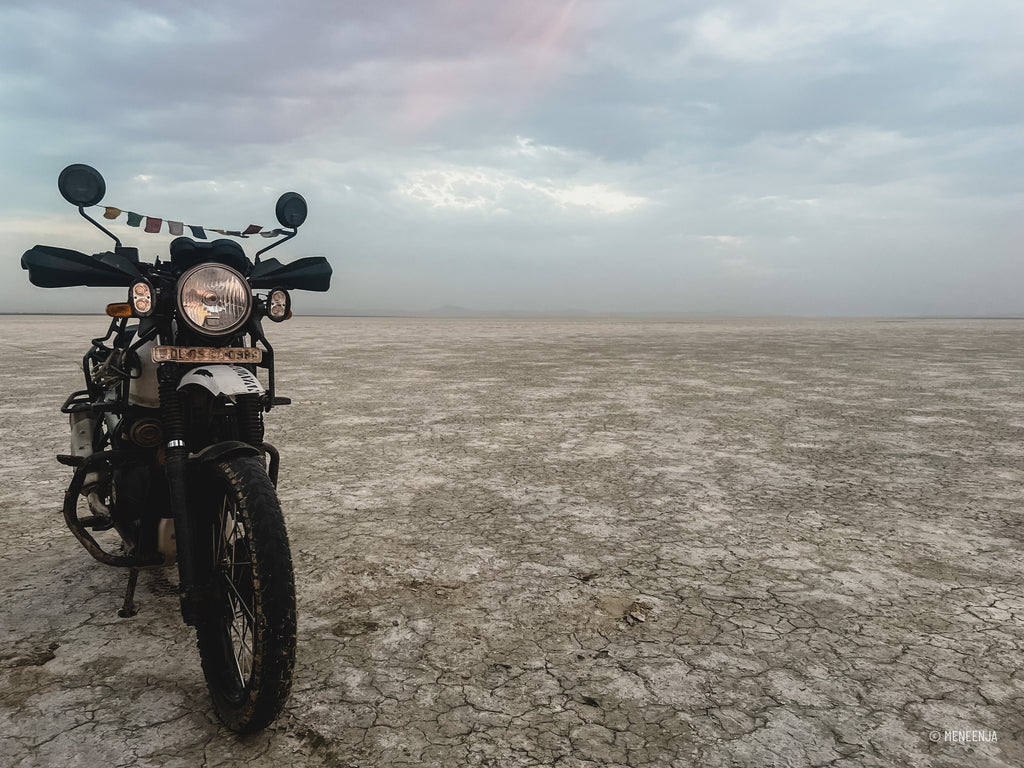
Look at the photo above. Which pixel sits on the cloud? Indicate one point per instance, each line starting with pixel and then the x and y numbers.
pixel 483 189
pixel 655 155
pixel 731 241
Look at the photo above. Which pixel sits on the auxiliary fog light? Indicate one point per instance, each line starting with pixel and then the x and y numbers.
pixel 140 296
pixel 279 305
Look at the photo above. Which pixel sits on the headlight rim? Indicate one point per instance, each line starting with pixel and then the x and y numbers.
pixel 197 328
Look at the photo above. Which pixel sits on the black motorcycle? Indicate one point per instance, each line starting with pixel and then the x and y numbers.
pixel 170 464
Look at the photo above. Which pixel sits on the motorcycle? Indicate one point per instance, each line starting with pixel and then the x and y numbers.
pixel 167 440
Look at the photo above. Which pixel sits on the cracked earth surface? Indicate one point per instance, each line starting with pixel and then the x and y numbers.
pixel 568 543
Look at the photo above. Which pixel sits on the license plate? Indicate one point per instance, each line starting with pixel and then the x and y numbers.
pixel 165 354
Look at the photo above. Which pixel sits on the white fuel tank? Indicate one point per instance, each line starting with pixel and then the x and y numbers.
pixel 145 390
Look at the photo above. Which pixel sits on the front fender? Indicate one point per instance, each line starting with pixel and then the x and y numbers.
pixel 229 448
pixel 224 450
pixel 223 380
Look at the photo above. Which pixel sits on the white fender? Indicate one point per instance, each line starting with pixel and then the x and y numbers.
pixel 226 380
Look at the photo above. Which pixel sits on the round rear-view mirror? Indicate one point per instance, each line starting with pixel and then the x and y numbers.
pixel 81 185
pixel 291 209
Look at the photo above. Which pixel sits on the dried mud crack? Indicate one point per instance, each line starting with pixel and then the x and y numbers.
pixel 573 544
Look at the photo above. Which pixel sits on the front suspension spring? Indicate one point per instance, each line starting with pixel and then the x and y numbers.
pixel 172 412
pixel 249 419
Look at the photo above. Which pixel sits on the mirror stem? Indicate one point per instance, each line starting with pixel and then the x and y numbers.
pixel 289 236
pixel 88 218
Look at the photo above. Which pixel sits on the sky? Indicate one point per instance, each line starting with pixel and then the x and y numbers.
pixel 770 157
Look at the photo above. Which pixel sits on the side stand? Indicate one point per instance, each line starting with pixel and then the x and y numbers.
pixel 129 609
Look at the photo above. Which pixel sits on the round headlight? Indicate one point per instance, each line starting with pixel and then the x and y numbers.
pixel 213 299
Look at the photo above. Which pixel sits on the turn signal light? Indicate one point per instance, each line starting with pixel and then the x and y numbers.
pixel 123 309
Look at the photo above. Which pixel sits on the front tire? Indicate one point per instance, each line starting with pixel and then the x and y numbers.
pixel 247 628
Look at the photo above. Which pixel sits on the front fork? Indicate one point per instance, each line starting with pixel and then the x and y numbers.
pixel 172 412
pixel 193 568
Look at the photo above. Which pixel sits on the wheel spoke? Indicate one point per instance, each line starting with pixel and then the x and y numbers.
pixel 235 565
pixel 243 651
pixel 239 601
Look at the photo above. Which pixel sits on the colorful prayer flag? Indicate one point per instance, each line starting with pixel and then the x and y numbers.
pixel 177 228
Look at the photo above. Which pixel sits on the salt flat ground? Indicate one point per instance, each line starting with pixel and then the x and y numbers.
pixel 569 543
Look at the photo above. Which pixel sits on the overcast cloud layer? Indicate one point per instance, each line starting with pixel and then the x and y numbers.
pixel 768 157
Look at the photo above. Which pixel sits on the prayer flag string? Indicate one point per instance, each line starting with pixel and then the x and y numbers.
pixel 154 225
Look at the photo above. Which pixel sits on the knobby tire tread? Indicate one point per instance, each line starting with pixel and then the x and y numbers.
pixel 256 503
